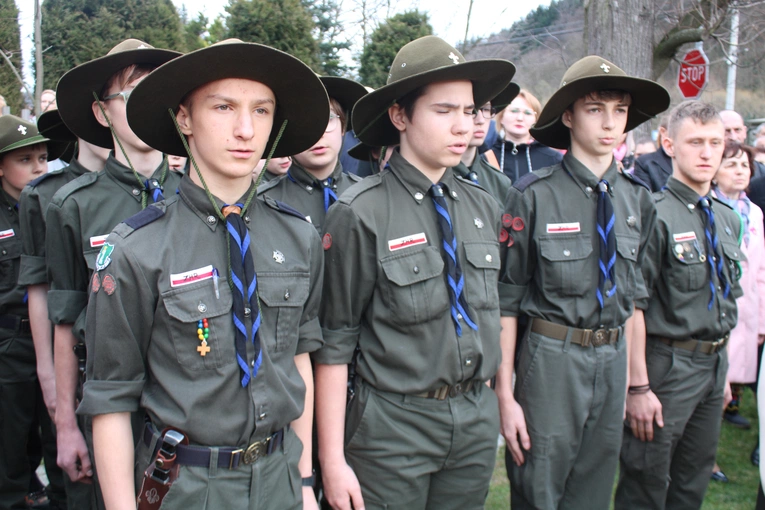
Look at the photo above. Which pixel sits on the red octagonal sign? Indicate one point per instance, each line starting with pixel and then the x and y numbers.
pixel 694 74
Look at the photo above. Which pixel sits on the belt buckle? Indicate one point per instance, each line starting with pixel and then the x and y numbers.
pixel 235 456
pixel 255 451
pixel 455 390
pixel 600 337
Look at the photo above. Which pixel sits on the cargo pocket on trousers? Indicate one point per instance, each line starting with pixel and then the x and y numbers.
pixel 647 461
pixel 356 415
pixel 532 479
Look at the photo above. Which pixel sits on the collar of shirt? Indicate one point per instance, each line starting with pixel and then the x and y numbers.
pixel 77 169
pixel 583 176
pixel 415 182
pixel 684 193
pixel 306 179
pixel 195 197
pixel 461 170
pixel 125 177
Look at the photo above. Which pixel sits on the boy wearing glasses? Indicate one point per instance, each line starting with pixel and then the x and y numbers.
pixel 316 178
pixel 82 213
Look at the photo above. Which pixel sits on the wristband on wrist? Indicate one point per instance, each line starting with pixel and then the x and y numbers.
pixel 639 390
pixel 309 481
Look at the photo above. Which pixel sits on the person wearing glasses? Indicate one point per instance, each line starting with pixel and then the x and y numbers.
pixel 316 178
pixel 92 103
pixel 517 152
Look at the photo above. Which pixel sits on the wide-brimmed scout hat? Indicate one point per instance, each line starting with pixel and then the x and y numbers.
pixel 592 74
pixel 344 91
pixel 504 98
pixel 16 133
pixel 50 125
pixel 74 92
pixel 301 99
pixel 424 61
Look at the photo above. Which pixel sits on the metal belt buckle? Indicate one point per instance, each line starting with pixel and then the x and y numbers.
pixel 455 390
pixel 255 451
pixel 600 337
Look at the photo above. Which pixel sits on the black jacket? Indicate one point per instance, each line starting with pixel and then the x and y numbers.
pixel 523 158
pixel 654 169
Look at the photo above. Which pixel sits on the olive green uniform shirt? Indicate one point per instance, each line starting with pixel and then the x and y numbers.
pixel 33 204
pixel 12 295
pixel 385 285
pixel 553 261
pixel 142 337
pixel 300 189
pixel 487 177
pixel 79 217
pixel 676 274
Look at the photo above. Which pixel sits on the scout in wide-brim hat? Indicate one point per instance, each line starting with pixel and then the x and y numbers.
pixel 592 74
pixel 50 125
pixel 301 99
pixel 74 93
pixel 424 61
pixel 16 133
pixel 344 91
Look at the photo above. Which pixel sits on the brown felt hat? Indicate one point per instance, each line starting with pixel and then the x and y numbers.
pixel 16 133
pixel 301 99
pixel 344 91
pixel 591 74
pixel 74 93
pixel 504 98
pixel 50 125
pixel 424 61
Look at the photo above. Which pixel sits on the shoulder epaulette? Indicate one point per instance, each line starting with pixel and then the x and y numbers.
pixel 265 186
pixel 636 180
pixel 70 187
pixel 354 177
pixel 526 181
pixel 658 196
pixel 722 202
pixel 143 218
pixel 360 187
pixel 44 176
pixel 282 207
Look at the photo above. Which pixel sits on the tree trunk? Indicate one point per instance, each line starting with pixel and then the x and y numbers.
pixel 622 31
pixel 39 77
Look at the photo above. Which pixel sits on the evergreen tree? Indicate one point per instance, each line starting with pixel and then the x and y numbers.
pixel 329 34
pixel 10 43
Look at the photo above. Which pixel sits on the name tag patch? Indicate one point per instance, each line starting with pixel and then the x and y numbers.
pixel 98 241
pixel 7 233
pixel 683 237
pixel 563 228
pixel 406 242
pixel 195 275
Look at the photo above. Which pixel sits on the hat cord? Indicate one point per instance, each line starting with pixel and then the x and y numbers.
pixel 144 191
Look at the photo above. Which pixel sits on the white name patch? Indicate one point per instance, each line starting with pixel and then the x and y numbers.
pixel 685 236
pixel 406 242
pixel 563 228
pixel 98 241
pixel 195 275
pixel 7 233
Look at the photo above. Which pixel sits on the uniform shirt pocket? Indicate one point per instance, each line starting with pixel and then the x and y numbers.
pixel 565 269
pixel 688 274
pixel 627 247
pixel 735 258
pixel 284 296
pixel 415 289
pixel 10 255
pixel 189 304
pixel 482 274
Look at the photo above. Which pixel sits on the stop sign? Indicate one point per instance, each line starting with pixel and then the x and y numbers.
pixel 694 74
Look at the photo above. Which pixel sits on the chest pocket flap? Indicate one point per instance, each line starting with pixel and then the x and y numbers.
pixel 283 289
pixel 628 246
pixel 10 249
pixel 733 252
pixel 413 267
pixel 482 254
pixel 197 301
pixel 565 247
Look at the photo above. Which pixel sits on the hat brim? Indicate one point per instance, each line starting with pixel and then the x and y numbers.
pixel 344 91
pixel 74 92
pixel 300 96
pixel 504 98
pixel 361 152
pixel 50 125
pixel 648 100
pixel 370 115
pixel 55 149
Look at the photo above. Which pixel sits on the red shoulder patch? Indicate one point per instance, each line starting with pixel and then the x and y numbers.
pixel 95 285
pixel 326 241
pixel 109 284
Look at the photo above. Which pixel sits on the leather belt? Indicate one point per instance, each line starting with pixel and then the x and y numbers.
pixel 583 337
pixel 229 458
pixel 448 391
pixel 15 323
pixel 703 346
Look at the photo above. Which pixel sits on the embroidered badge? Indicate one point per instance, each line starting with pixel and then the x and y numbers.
pixel 7 233
pixel 195 275
pixel 152 496
pixel 278 257
pixel 109 284
pixel 407 241
pixel 563 228
pixel 22 130
pixel 95 285
pixel 683 237
pixel 97 241
pixel 478 222
pixel 326 241
pixel 104 256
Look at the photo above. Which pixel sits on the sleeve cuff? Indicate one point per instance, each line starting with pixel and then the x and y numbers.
pixel 338 348
pixel 106 397
pixel 310 339
pixel 64 306
pixel 32 270
pixel 510 297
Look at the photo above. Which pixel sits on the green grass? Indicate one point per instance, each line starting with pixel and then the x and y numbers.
pixel 732 455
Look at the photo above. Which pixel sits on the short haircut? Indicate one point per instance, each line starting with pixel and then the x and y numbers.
pixel 407 102
pixel 125 76
pixel 335 104
pixel 697 111
pixel 734 149
pixel 664 121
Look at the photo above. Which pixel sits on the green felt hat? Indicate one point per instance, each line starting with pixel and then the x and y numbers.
pixel 591 74
pixel 504 98
pixel 424 61
pixel 344 91
pixel 16 133
pixel 74 93
pixel 301 99
pixel 51 125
